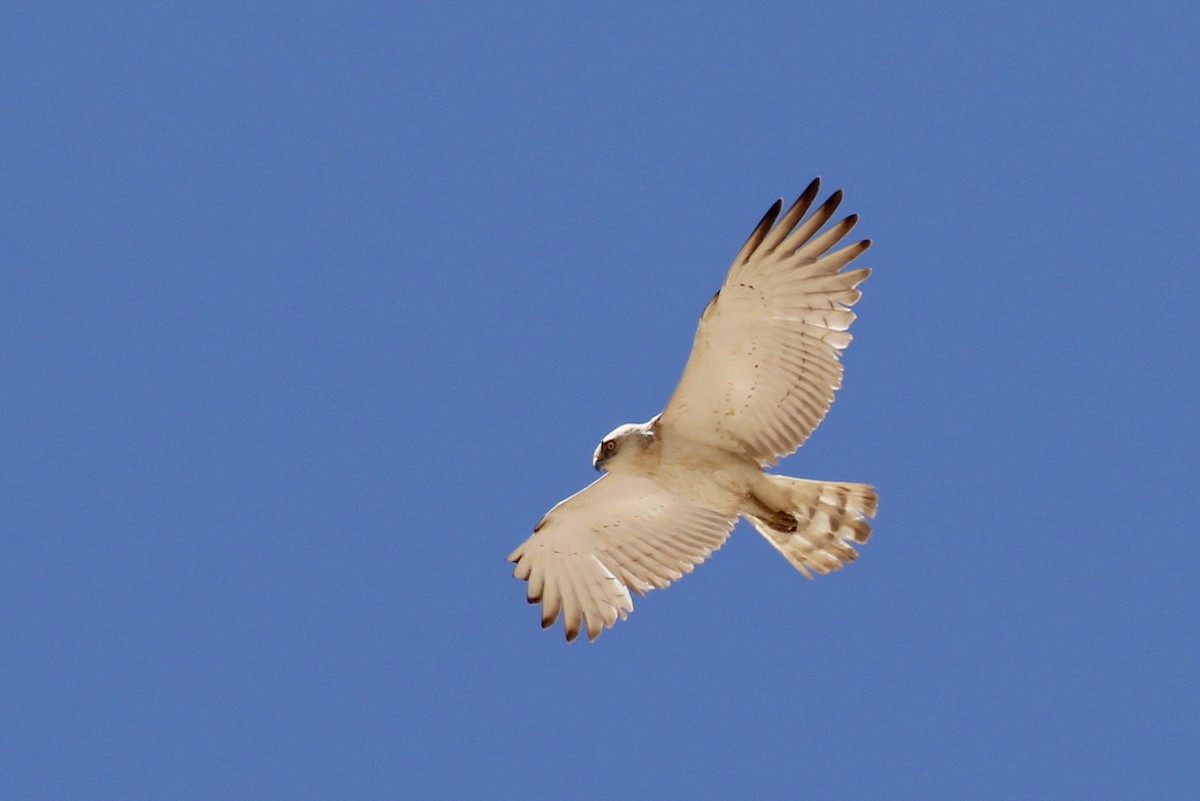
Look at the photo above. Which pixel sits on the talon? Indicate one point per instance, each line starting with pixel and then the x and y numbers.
pixel 783 521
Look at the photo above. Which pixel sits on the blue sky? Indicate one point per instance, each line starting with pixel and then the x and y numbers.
pixel 309 312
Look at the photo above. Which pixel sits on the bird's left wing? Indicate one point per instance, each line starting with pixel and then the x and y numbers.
pixel 765 362
pixel 621 533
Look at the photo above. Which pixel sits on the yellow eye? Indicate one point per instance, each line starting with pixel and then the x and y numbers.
pixel 610 446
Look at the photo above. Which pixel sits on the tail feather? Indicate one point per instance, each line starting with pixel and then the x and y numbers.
pixel 820 520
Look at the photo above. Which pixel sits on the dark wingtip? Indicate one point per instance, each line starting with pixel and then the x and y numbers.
pixel 759 232
pixel 811 190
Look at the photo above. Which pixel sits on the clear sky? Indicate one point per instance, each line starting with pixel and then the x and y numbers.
pixel 308 312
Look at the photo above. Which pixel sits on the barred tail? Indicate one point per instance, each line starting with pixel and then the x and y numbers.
pixel 819 520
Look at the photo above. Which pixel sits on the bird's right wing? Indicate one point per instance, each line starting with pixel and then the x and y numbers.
pixel 621 533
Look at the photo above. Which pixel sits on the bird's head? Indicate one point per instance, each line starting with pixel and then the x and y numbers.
pixel 622 442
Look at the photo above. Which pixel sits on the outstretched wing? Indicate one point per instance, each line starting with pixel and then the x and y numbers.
pixel 621 533
pixel 765 361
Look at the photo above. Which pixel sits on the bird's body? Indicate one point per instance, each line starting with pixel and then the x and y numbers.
pixel 695 471
pixel 761 376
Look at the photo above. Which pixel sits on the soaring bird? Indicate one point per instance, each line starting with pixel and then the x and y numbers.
pixel 761 376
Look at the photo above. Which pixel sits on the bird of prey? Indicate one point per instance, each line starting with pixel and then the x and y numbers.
pixel 761 375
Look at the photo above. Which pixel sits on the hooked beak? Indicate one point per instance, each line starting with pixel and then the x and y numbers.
pixel 598 460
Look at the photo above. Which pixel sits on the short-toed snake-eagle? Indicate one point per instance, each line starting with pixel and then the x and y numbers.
pixel 762 373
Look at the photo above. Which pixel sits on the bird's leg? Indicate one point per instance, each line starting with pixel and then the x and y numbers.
pixel 782 521
pixel 778 519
